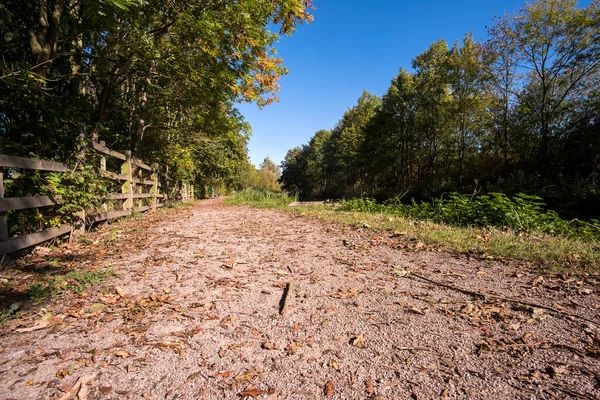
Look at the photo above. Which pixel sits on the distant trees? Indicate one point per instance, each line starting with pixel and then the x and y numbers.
pixel 516 113
pixel 157 78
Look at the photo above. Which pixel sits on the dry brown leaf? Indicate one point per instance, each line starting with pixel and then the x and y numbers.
pixel 225 374
pixel 293 347
pixel 370 387
pixel 120 291
pixel 358 341
pixel 538 281
pixel 229 264
pixel 40 325
pixel 269 346
pixel 237 345
pixel 168 343
pixel 245 376
pixel 106 390
pixel 329 389
pixel 346 293
pixel 122 354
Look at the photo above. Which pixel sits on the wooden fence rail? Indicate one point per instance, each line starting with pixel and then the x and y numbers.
pixel 139 182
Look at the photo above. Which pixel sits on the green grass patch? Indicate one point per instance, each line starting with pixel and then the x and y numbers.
pixel 521 213
pixel 262 198
pixel 74 281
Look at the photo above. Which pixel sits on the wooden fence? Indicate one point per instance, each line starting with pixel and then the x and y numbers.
pixel 138 180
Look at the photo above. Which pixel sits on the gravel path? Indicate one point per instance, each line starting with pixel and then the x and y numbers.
pixel 194 313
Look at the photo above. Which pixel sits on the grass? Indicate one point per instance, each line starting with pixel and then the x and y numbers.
pixel 74 281
pixel 555 252
pixel 41 288
pixel 262 198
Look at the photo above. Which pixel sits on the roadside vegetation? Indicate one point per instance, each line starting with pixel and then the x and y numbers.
pixel 515 113
pixel 262 198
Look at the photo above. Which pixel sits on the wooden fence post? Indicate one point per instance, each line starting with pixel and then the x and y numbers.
pixel 80 165
pixel 128 185
pixel 3 222
pixel 154 189
pixel 102 171
pixel 140 188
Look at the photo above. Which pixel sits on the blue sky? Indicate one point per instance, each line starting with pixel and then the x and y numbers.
pixel 351 46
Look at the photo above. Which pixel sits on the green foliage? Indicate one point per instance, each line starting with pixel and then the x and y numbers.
pixel 517 113
pixel 81 189
pixel 158 79
pixel 522 213
pixel 74 281
pixel 262 198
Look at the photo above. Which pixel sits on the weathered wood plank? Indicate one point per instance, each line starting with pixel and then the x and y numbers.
pixel 123 196
pixel 12 245
pixel 23 203
pixel 91 219
pixel 143 182
pixel 105 150
pixel 139 163
pixel 114 175
pixel 31 163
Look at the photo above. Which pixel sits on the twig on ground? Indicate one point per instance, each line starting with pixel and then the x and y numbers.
pixel 493 296
pixel 412 348
pixel 286 298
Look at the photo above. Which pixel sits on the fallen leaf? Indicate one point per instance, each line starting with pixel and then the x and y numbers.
pixel 346 293
pixel 245 376
pixel 105 390
pixel 293 347
pixel 120 291
pixel 329 389
pixel 333 364
pixel 269 346
pixel 538 281
pixel 225 374
pixel 358 341
pixel 122 354
pixel 370 387
pixel 40 325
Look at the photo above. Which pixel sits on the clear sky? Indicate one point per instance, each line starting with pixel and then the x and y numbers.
pixel 351 46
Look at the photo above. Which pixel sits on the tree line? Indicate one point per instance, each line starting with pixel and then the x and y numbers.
pixel 518 112
pixel 159 78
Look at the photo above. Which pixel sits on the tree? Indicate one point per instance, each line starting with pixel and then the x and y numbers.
pixel 270 173
pixel 342 148
pixel 553 48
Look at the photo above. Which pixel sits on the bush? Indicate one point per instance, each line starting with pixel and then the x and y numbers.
pixel 263 197
pixel 522 213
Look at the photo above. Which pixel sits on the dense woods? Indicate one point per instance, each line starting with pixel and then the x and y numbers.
pixel 158 78
pixel 515 113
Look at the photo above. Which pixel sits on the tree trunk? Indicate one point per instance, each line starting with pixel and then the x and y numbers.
pixel 43 38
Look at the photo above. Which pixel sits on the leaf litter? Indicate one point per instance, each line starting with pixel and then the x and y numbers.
pixel 185 318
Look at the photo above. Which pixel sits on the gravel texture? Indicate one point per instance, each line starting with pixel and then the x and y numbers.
pixel 195 313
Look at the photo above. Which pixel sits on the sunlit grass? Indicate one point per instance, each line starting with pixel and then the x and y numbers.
pixel 262 198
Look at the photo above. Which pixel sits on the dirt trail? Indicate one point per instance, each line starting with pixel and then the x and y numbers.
pixel 195 314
